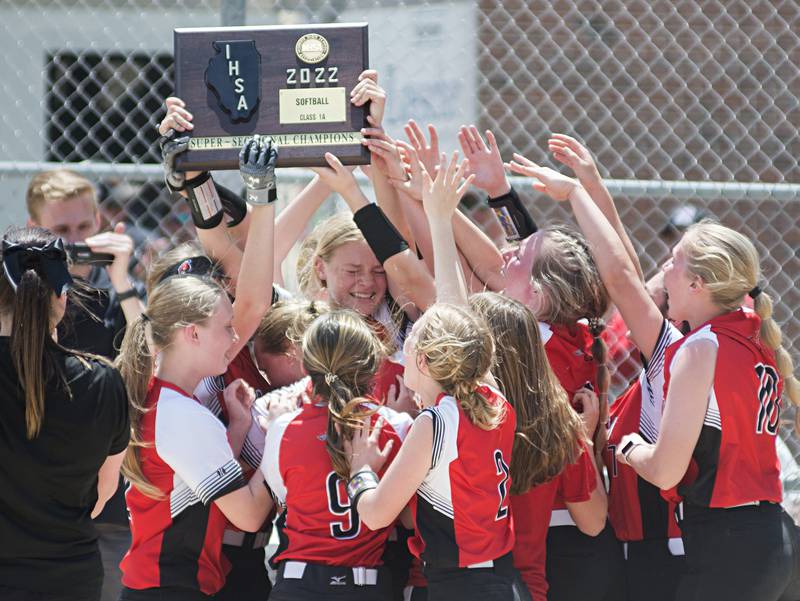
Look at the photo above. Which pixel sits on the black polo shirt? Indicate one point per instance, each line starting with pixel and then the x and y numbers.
pixel 48 485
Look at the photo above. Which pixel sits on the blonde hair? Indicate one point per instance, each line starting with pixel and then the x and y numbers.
pixel 567 275
pixel 458 350
pixel 548 428
pixel 728 264
pixel 341 355
pixel 173 304
pixel 336 231
pixel 286 323
pixel 58 185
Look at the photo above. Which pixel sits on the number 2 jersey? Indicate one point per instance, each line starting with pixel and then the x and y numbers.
pixel 462 512
pixel 735 460
pixel 317 524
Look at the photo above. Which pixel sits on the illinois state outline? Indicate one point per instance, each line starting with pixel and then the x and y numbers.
pixel 234 60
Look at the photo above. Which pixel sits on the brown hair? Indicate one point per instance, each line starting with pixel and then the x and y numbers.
pixel 58 185
pixel 548 428
pixel 459 351
pixel 341 355
pixel 285 323
pixel 173 304
pixel 728 264
pixel 567 275
pixel 33 351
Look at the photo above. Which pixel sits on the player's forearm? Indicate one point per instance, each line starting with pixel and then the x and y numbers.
pixel 293 219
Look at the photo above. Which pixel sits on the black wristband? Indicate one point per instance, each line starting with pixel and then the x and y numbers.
pixel 513 216
pixel 129 293
pixel 234 205
pixel 204 201
pixel 382 237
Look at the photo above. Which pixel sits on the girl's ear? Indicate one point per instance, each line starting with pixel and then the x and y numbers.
pixel 190 334
pixel 422 364
pixel 319 268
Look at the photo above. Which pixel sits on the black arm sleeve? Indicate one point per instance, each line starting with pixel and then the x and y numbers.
pixel 513 216
pixel 382 237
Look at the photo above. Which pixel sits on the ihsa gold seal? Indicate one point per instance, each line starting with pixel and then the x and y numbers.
pixel 312 48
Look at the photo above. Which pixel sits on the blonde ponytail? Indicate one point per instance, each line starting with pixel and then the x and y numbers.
pixel 175 303
pixel 341 355
pixel 603 377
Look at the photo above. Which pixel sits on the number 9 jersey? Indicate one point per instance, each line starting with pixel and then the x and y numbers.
pixel 318 525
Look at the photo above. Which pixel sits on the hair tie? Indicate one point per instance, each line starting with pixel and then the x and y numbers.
pixel 754 292
pixel 145 317
pixel 49 261
pixel 330 378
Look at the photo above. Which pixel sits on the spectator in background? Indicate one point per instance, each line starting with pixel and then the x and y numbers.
pixel 63 432
pixel 66 204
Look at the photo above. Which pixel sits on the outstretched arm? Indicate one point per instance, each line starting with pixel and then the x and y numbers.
pixel 613 261
pixel 406 275
pixel 573 154
pixel 440 198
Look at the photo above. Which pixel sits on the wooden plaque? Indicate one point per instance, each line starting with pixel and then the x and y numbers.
pixel 289 82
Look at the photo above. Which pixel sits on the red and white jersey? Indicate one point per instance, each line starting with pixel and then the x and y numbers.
pixel 177 540
pixel 386 377
pixel 210 393
pixel 462 513
pixel 735 460
pixel 569 352
pixel 635 507
pixel 317 524
pixel 533 513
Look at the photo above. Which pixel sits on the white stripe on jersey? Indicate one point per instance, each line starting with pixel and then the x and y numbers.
pixel 271 464
pixel 435 488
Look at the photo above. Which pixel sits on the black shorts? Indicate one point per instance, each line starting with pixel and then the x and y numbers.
pixel 736 554
pixel 501 582
pixel 581 567
pixel 330 582
pixel 652 572
pixel 248 578
pixel 165 593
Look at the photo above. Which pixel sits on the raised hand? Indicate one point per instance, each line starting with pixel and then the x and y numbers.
pixel 547 181
pixel 257 160
pixel 385 154
pixel 440 196
pixel 484 161
pixel 364 448
pixel 428 152
pixel 368 90
pixel 568 151
pixel 336 176
pixel 119 244
pixel 177 117
pixel 411 184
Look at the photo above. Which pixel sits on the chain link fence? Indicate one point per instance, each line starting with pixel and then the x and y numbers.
pixel 663 93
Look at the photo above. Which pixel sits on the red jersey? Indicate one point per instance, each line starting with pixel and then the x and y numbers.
pixel 623 357
pixel 570 355
pixel 318 525
pixel 177 539
pixel 636 509
pixel 210 392
pixel 462 511
pixel 385 378
pixel 533 511
pixel 735 460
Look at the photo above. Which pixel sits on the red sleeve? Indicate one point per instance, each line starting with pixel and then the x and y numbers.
pixel 578 480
